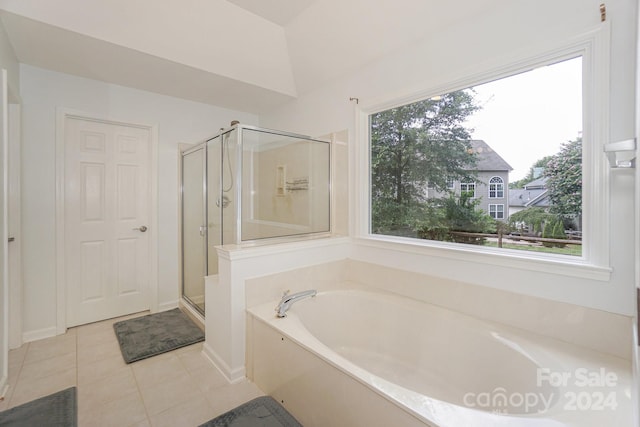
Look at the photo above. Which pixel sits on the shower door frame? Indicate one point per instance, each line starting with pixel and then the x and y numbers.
pixel 183 153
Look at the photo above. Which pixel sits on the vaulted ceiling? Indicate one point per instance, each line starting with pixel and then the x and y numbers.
pixel 249 55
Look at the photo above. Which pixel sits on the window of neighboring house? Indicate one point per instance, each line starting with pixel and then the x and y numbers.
pixel 496 188
pixel 468 189
pixel 451 184
pixel 519 125
pixel 496 211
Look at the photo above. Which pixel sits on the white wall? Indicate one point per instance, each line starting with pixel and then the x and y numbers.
pixel 466 49
pixel 178 121
pixel 9 62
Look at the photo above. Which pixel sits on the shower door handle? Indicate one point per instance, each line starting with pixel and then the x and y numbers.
pixel 203 230
pixel 141 229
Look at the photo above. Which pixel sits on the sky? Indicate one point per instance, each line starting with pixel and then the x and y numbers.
pixel 530 115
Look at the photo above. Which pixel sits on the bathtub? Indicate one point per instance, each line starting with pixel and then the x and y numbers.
pixel 361 357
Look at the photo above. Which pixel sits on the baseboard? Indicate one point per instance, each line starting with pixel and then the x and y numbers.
pixel 232 376
pixel 39 334
pixel 167 306
pixel 192 313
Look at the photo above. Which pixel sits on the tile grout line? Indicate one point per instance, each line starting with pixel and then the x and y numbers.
pixel 146 410
pixel 15 386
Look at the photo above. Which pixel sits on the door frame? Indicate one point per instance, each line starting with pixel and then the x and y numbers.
pixel 62 114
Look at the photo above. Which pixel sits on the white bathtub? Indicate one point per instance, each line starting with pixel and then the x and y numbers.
pixel 425 365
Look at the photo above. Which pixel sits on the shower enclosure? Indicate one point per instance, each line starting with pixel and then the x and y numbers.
pixel 248 185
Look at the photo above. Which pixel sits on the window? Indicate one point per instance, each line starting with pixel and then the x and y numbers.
pixel 521 130
pixel 451 184
pixel 468 189
pixel 496 188
pixel 496 211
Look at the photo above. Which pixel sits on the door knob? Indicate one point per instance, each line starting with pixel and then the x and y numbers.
pixel 142 228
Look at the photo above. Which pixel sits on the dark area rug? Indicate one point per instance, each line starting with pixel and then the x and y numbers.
pixel 154 334
pixel 260 412
pixel 56 410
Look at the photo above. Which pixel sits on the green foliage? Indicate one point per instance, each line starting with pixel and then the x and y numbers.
pixel 412 145
pixel 554 229
pixel 534 217
pixel 558 231
pixel 455 214
pixel 541 163
pixel 565 180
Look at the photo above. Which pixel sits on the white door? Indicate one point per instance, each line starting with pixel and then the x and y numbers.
pixel 107 202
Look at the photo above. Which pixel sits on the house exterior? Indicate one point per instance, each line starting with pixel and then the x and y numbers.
pixel 534 194
pixel 491 186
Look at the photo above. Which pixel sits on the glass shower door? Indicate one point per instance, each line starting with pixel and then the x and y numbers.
pixel 194 226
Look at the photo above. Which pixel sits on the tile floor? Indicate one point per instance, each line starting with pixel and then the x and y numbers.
pixel 180 388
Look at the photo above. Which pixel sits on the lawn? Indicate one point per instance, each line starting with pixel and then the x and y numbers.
pixel 575 250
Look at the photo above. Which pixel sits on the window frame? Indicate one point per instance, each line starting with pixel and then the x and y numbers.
pixel 594 263
pixel 496 191
pixel 496 211
pixel 473 196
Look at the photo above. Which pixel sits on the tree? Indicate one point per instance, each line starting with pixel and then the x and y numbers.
pixel 415 145
pixel 540 163
pixel 565 180
pixel 553 229
pixel 534 217
pixel 455 214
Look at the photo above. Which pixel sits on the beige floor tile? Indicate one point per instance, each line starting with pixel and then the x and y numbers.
pixel 51 347
pixel 159 369
pixel 164 395
pixel 108 389
pixel 47 367
pixel 127 410
pixel 96 338
pixel 193 413
pixel 4 403
pixel 143 423
pixel 194 361
pixel 228 397
pixel 187 349
pixel 208 378
pixel 93 353
pixel 179 388
pixel 17 355
pixel 27 391
pixel 90 372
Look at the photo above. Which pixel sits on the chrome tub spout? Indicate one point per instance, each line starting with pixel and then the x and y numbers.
pixel 287 301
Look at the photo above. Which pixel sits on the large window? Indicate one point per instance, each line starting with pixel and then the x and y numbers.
pixel 518 139
pixel 496 188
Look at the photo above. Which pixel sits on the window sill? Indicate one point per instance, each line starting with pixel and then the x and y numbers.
pixel 554 264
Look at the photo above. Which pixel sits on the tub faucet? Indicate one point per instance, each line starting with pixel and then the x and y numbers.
pixel 287 301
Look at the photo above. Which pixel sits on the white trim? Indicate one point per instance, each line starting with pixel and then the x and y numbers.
pixel 61 115
pixel 594 47
pixel 496 211
pixel 39 334
pixel 233 376
pixel 167 306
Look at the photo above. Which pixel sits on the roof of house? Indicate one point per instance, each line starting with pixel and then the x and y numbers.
pixel 487 158
pixel 529 198
pixel 540 183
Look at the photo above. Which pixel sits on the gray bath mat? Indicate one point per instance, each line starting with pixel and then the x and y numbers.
pixel 260 412
pixel 56 410
pixel 155 334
